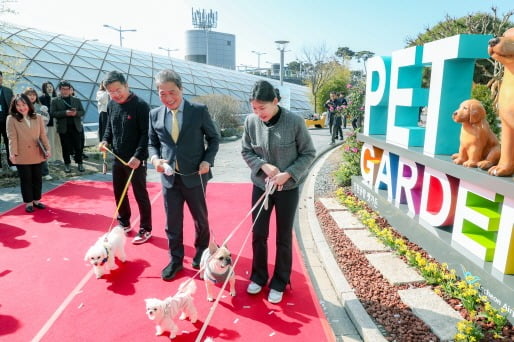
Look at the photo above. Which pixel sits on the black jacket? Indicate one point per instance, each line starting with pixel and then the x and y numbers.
pixel 127 128
pixel 58 108
pixel 5 101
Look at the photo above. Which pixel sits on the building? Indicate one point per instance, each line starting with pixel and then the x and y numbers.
pixel 221 48
pixel 29 57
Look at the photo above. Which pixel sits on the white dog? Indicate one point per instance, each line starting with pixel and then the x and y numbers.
pixel 163 311
pixel 101 255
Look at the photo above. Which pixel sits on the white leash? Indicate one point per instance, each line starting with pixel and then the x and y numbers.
pixel 270 189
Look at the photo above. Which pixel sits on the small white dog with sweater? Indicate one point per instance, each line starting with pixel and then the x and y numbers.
pixel 164 311
pixel 109 246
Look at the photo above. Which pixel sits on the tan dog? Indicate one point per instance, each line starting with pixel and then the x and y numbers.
pixel 479 146
pixel 502 50
pixel 216 266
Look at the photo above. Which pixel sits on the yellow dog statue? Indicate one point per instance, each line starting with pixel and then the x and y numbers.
pixel 502 50
pixel 479 146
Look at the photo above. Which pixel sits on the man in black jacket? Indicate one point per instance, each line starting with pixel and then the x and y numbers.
pixel 330 106
pixel 68 111
pixel 127 134
pixel 6 96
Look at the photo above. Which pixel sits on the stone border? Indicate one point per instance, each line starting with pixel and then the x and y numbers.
pixel 345 293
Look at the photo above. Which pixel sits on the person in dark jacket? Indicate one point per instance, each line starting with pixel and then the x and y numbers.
pixel 6 96
pixel 126 133
pixel 183 137
pixel 330 106
pixel 68 111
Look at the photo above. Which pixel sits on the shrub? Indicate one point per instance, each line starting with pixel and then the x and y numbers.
pixel 224 111
pixel 350 165
pixel 355 99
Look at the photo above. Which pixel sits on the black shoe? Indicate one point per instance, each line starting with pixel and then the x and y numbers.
pixel 81 168
pixel 29 209
pixel 67 168
pixel 169 272
pixel 39 205
pixel 196 260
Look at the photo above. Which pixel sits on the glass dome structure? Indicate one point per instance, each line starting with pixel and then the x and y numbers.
pixel 30 57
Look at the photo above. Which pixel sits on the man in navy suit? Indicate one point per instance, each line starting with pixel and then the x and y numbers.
pixel 182 144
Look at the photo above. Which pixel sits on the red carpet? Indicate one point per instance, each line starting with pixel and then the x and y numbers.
pixel 48 292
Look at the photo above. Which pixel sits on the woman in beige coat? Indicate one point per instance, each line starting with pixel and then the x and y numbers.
pixel 28 148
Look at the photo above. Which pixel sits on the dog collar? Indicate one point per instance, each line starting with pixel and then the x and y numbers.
pixel 104 260
pixel 217 277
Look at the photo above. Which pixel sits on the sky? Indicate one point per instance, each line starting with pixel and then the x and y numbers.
pixel 380 26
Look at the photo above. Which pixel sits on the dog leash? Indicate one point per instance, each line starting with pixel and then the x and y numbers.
pixel 125 189
pixel 170 171
pixel 231 234
pixel 270 189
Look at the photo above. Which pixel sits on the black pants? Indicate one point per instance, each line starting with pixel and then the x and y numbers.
pixel 30 182
pixel 344 121
pixel 336 129
pixel 102 123
pixel 285 204
pixel 330 123
pixel 174 199
pixel 355 123
pixel 120 176
pixel 3 136
pixel 71 144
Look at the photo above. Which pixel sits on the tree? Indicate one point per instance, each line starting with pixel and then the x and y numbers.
pixel 4 7
pixel 363 56
pixel 7 63
pixel 318 69
pixel 338 82
pixel 487 70
pixel 345 53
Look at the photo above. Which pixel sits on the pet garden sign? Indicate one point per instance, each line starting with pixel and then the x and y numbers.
pixel 461 216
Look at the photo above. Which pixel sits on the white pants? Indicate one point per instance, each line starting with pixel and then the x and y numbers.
pixel 55 144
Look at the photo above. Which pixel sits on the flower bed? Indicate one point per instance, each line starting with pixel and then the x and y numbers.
pixel 482 322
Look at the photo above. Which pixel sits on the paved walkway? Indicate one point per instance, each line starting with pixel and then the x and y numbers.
pixel 230 167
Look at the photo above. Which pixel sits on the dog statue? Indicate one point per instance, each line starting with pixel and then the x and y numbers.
pixel 479 146
pixel 216 266
pixel 162 312
pixel 101 255
pixel 502 50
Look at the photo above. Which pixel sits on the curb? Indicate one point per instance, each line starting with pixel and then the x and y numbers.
pixel 345 293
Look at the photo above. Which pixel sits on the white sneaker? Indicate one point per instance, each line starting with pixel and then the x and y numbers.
pixel 48 177
pixel 141 237
pixel 125 229
pixel 275 296
pixel 253 288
